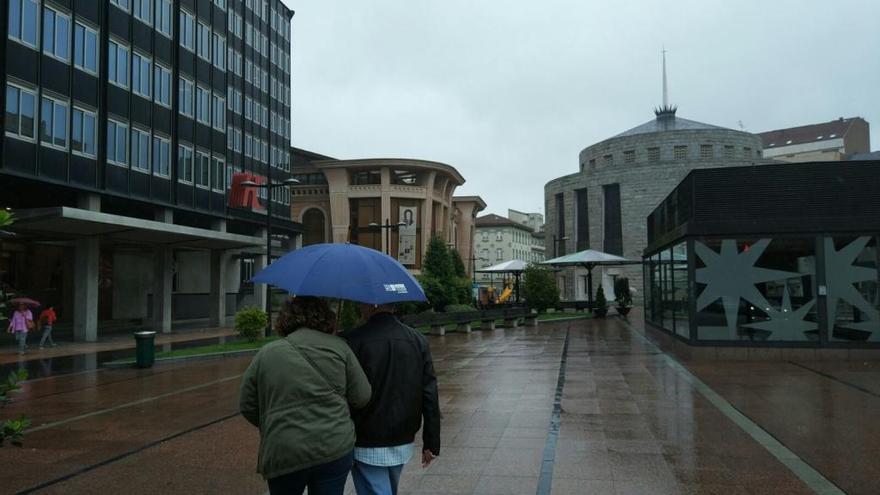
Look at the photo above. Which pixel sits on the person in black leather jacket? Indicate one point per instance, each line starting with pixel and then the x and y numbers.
pixel 397 362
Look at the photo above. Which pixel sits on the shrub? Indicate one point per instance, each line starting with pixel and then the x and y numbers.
pixel 539 287
pixel 601 303
pixel 250 323
pixel 444 278
pixel 622 293
pixel 12 429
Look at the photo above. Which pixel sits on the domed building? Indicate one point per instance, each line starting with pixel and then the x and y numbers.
pixel 604 206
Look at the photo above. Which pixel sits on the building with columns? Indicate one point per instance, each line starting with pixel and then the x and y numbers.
pixel 351 201
pixel 124 124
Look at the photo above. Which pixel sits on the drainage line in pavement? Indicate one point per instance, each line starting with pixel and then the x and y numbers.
pixel 838 380
pixel 546 479
pixel 123 455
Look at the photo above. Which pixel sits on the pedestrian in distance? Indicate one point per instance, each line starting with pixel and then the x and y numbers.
pixel 299 391
pixel 21 323
pixel 47 321
pixel 397 361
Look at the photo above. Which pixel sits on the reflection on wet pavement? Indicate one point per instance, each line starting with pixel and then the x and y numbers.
pixel 629 422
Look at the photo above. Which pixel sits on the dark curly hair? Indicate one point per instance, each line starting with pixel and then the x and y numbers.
pixel 305 312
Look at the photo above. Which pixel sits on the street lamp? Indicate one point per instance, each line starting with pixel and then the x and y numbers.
pixel 557 241
pixel 268 186
pixel 387 226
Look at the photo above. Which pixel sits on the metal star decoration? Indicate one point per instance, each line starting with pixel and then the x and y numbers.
pixel 787 324
pixel 841 275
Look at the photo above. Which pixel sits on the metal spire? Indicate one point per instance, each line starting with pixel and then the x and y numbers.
pixel 665 93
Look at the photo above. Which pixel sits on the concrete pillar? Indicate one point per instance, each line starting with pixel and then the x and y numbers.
pixel 259 264
pixel 163 277
pixel 85 297
pixel 217 297
pixel 165 215
pixel 88 201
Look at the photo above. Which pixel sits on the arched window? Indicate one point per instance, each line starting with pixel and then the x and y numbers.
pixel 314 227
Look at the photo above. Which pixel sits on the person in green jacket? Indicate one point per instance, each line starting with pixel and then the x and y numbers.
pixel 298 391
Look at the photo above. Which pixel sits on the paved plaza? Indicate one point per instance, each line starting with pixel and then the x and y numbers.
pixel 573 407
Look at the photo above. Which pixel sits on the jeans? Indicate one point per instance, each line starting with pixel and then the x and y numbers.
pixel 324 479
pixel 375 480
pixel 21 337
pixel 47 334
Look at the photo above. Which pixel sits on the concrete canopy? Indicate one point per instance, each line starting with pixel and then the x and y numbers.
pixel 73 223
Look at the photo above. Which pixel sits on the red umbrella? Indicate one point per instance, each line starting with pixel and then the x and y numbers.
pixel 24 300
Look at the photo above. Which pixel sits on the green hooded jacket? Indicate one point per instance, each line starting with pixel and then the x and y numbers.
pixel 298 391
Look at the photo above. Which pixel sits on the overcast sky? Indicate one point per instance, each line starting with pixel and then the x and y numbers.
pixel 508 92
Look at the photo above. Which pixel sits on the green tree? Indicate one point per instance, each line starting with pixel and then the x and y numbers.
pixel 444 277
pixel 438 263
pixel 601 302
pixel 539 287
pixel 457 264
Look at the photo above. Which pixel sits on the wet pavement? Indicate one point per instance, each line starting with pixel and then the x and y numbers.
pixel 573 407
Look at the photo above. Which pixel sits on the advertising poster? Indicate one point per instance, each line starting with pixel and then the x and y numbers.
pixel 406 246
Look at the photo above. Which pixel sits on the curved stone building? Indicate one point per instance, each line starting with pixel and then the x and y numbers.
pixel 604 206
pixel 348 200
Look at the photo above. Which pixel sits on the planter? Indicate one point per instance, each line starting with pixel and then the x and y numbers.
pixel 623 310
pixel 601 312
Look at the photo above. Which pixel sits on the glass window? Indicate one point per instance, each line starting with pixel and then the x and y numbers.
pixel 218 173
pixel 117 143
pixel 219 112
pixel 122 4
pixel 161 156
pixel 756 289
pixel 680 309
pixel 851 276
pixel 83 136
pixel 24 21
pixel 185 97
pixel 498 254
pixel 203 102
pixel 203 169
pixel 85 48
pixel 140 150
pixel 680 152
pixel 162 85
pixel 163 17
pixel 184 163
pixel 187 30
pixel 143 11
pixel 21 111
pixel 219 51
pixel 56 34
pixel 53 122
pixel 117 63
pixel 141 75
pixel 204 41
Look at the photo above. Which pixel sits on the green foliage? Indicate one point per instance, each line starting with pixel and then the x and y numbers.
pixel 444 278
pixel 250 323
pixel 350 317
pixel 539 287
pixel 601 302
pixel 410 308
pixel 622 293
pixel 460 308
pixel 457 264
pixel 6 218
pixel 12 429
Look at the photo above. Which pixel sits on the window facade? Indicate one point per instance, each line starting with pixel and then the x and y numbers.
pixel 162 85
pixel 629 156
pixel 218 173
pixel 21 111
pixel 654 154
pixel 187 30
pixel 24 21
pixel 85 48
pixel 140 150
pixel 680 152
pixel 185 163
pixel 53 122
pixel 203 105
pixel 613 223
pixel 117 63
pixel 203 169
pixel 164 17
pixel 161 156
pixel 203 41
pixel 186 97
pixel 218 112
pixel 83 134
pixel 143 11
pixel 117 142
pixel 56 34
pixel 707 151
pixel 141 75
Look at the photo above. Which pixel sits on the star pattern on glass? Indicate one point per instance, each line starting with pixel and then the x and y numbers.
pixel 787 324
pixel 841 275
pixel 731 275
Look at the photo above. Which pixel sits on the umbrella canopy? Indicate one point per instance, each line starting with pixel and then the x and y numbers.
pixel 590 257
pixel 343 271
pixel 511 266
pixel 24 300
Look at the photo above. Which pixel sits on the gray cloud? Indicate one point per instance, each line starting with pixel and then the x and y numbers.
pixel 510 92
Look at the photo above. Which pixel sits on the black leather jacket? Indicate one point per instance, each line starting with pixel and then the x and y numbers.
pixel 397 362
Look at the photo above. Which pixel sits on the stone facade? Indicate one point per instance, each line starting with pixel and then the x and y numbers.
pixel 647 166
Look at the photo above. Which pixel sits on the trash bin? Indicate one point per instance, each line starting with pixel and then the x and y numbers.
pixel 145 350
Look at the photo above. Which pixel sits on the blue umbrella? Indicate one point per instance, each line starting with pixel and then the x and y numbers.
pixel 343 271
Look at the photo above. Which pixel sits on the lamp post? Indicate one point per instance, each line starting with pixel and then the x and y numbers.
pixel 387 226
pixel 556 241
pixel 268 186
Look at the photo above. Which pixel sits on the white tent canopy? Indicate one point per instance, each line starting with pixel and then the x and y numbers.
pixel 590 257
pixel 510 266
